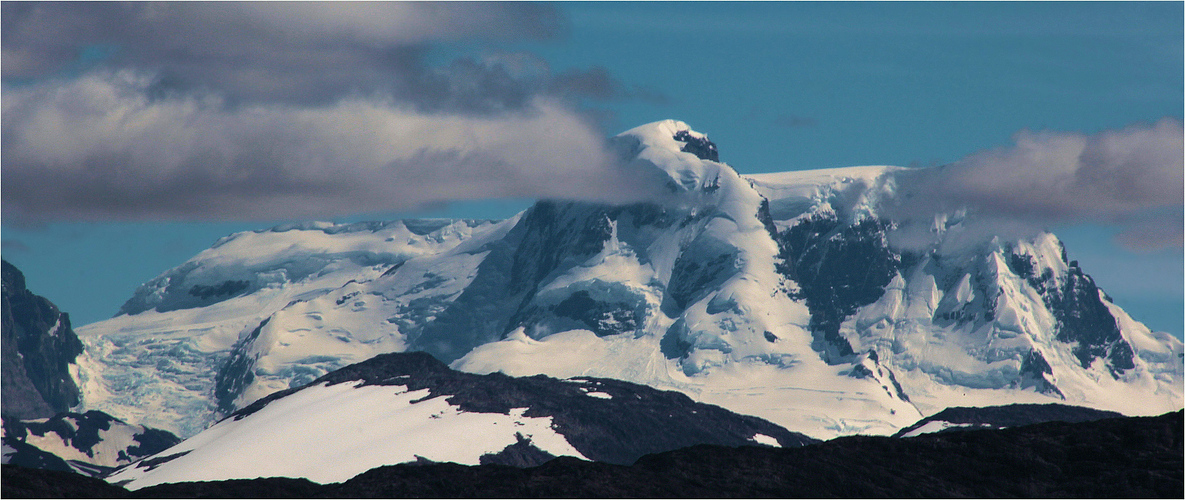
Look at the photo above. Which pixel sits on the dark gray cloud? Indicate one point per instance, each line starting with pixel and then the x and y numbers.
pixel 258 110
pixel 1132 178
pixel 598 83
pixel 10 245
pixel 101 147
pixel 264 51
pixel 304 52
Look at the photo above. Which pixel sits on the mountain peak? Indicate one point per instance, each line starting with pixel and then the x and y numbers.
pixel 675 136
pixel 788 281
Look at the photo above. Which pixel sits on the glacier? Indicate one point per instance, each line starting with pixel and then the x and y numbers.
pixel 776 295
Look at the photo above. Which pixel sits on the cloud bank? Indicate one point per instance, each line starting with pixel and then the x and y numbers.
pixel 100 147
pixel 228 110
pixel 302 52
pixel 1131 178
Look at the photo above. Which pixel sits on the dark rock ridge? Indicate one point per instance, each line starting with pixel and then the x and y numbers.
pixel 839 267
pixel 842 265
pixel 1082 317
pixel 1035 372
pixel 701 147
pixel 24 481
pixel 26 455
pixel 85 433
pixel 548 238
pixel 238 372
pixel 228 288
pixel 1130 457
pixel 1001 417
pixel 635 421
pixel 38 348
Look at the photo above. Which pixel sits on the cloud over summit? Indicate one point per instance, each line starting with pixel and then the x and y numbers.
pixel 99 147
pixel 217 110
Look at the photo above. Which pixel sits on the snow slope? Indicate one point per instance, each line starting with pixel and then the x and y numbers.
pixel 776 295
pixel 400 408
pixel 91 443
pixel 297 426
pixel 157 362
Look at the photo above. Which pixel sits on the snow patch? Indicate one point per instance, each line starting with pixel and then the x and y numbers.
pixel 936 426
pixel 766 440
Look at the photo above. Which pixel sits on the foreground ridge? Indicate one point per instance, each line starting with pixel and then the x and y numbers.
pixel 411 408
pixel 1110 458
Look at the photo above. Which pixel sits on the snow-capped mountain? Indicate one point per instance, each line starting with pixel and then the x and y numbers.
pixel 775 295
pixel 92 443
pixel 411 408
pixel 158 361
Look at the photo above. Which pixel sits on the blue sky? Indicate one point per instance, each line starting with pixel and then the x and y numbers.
pixel 778 86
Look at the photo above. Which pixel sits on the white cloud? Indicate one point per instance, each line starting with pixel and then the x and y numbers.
pixel 1132 178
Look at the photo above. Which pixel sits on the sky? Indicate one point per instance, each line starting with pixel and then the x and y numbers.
pixel 135 135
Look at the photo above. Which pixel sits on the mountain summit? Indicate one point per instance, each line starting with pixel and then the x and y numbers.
pixel 774 295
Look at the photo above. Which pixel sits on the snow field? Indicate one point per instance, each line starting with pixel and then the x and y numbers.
pixel 157 368
pixel 337 433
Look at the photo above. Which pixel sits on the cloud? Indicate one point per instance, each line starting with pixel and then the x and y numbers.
pixel 598 83
pixel 14 246
pixel 264 51
pixel 304 52
pixel 104 147
pixel 1132 178
pixel 1152 231
pixel 263 110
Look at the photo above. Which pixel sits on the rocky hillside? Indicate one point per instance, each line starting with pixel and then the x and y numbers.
pixel 38 348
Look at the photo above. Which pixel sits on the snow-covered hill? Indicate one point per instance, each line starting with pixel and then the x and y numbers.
pixel 158 362
pixel 92 443
pixel 775 295
pixel 411 408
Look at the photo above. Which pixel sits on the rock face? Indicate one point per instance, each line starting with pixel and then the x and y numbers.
pixel 38 347
pixel 839 268
pixel 411 408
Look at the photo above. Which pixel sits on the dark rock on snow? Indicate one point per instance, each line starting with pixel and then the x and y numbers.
pixel 635 421
pixel 83 432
